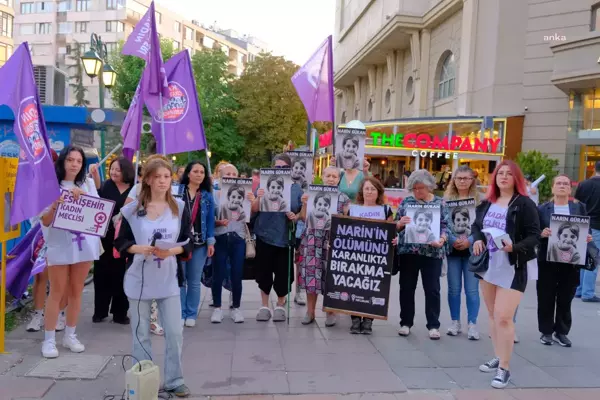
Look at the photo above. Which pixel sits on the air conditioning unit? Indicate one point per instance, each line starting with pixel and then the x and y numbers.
pixel 52 84
pixel 195 22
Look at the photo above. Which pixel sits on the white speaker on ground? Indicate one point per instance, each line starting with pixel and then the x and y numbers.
pixel 142 381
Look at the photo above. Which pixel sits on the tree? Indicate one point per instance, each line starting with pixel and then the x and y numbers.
pixel 271 113
pixel 213 83
pixel 76 78
pixel 536 164
pixel 129 71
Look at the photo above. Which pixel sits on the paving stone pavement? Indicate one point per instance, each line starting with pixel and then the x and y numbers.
pixel 280 361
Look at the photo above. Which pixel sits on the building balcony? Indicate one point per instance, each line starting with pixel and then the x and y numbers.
pixel 576 63
pixel 133 17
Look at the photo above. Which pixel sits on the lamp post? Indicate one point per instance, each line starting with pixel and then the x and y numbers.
pixel 95 64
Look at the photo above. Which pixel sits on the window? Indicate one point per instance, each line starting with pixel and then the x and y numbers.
pixel 27 8
pixel 6 2
pixel 176 45
pixel 64 5
pixel 27 29
pixel 83 47
pixel 447 77
pixel 189 33
pixel 6 24
pixel 177 27
pixel 44 6
pixel 114 26
pixel 43 28
pixel 158 17
pixel 65 27
pixel 207 42
pixel 111 47
pixel 595 23
pixel 82 5
pixel 114 4
pixel 40 50
pixel 5 53
pixel 81 27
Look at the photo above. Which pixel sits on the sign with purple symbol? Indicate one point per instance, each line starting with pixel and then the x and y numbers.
pixel 87 215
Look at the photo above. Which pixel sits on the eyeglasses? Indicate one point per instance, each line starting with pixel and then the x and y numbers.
pixel 463 179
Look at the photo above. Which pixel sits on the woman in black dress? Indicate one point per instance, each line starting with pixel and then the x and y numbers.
pixel 109 272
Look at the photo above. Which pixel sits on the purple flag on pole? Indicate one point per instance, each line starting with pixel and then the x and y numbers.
pixel 24 261
pixel 144 43
pixel 36 186
pixel 132 126
pixel 314 84
pixel 184 129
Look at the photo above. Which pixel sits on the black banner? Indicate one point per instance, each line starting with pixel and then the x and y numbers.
pixel 359 267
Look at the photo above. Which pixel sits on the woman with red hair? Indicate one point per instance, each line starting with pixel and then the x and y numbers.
pixel 507 228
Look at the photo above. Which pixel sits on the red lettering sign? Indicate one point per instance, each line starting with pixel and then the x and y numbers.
pixel 457 143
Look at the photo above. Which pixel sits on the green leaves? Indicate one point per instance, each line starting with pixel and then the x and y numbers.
pixel 535 163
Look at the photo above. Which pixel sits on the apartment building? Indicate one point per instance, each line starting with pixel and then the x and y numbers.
pixel 52 27
pixel 7 15
pixel 479 79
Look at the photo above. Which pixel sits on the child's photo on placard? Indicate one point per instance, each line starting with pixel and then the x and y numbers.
pixel 350 148
pixel 568 242
pixel 424 224
pixel 462 215
pixel 302 167
pixel 321 205
pixel 276 182
pixel 233 202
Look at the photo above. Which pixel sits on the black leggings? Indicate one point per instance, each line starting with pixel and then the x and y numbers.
pixel 273 268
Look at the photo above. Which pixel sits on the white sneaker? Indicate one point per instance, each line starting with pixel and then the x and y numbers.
pixel 190 323
pixel 516 339
pixel 236 316
pixel 72 343
pixel 217 316
pixel 455 329
pixel 36 323
pixel 404 331
pixel 473 333
pixel 300 298
pixel 230 300
pixel 61 322
pixel 49 349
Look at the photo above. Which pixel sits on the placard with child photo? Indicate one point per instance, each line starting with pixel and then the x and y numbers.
pixel 462 215
pixel 302 167
pixel 350 148
pixel 568 242
pixel 424 224
pixel 277 183
pixel 234 204
pixel 321 205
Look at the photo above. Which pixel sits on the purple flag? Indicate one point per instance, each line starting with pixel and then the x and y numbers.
pixel 144 43
pixel 36 186
pixel 314 84
pixel 25 260
pixel 184 129
pixel 132 126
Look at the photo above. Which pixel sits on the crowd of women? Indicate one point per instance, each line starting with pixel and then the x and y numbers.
pixel 132 275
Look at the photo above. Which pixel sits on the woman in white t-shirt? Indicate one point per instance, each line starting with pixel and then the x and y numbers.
pixel 69 255
pixel 153 273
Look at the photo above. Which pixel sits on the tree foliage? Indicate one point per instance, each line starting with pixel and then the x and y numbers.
pixel 536 164
pixel 76 76
pixel 213 83
pixel 271 113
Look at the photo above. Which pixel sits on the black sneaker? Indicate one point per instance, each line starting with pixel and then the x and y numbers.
pixel 356 325
pixel 547 340
pixel 562 339
pixel 501 379
pixel 594 299
pixel 490 366
pixel 367 327
pixel 180 391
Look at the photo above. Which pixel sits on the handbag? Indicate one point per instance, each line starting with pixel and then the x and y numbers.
pixel 479 264
pixel 591 258
pixel 194 215
pixel 250 244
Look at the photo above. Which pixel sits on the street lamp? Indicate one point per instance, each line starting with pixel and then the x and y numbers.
pixel 95 64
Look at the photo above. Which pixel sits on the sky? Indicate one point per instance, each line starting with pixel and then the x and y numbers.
pixel 291 28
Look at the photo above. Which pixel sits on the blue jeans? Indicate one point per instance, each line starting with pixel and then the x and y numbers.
pixel 142 344
pixel 190 291
pixel 457 269
pixel 587 279
pixel 230 252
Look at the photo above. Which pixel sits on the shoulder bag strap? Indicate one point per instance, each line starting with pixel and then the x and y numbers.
pixel 197 200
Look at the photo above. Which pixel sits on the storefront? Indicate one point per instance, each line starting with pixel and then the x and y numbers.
pixel 439 145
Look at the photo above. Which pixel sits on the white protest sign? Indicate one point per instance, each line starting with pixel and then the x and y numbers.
pixel 88 215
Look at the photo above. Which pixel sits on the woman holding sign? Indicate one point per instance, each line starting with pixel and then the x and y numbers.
pixel 69 255
pixel 370 203
pixel 558 279
pixel 506 233
pixel 418 218
pixel 462 186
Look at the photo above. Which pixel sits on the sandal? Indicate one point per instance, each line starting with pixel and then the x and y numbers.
pixel 156 329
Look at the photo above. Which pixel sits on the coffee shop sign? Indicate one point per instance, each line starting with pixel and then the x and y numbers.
pixel 424 144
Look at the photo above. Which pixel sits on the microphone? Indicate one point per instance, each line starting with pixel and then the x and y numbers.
pixel 155 237
pixel 141 213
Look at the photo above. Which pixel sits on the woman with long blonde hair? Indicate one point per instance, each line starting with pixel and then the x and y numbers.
pixel 153 272
pixel 462 186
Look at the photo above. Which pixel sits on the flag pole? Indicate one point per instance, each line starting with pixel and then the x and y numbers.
pixel 331 94
pixel 162 124
pixel 137 166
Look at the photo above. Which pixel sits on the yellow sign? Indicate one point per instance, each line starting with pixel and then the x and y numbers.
pixel 8 176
